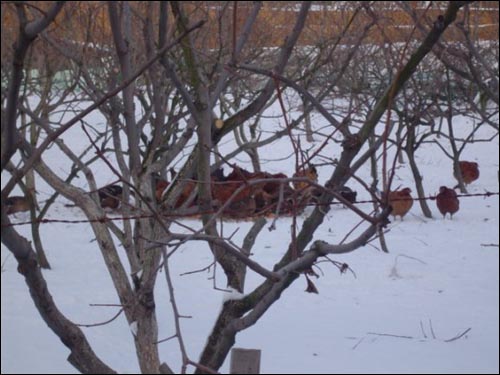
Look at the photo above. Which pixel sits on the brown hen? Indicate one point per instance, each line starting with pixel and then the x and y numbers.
pixel 469 170
pixel 447 201
pixel 17 204
pixel 311 173
pixel 400 201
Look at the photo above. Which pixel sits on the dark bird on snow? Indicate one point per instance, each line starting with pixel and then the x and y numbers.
pixel 447 201
pixel 17 204
pixel 348 194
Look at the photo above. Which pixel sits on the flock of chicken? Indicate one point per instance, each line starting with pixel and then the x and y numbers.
pixel 244 194
pixel 446 200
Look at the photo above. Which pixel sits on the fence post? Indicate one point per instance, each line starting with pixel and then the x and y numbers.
pixel 245 361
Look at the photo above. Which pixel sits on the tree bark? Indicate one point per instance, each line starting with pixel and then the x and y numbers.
pixel 410 152
pixel 418 184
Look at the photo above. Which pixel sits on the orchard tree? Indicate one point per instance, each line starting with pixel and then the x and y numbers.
pixel 159 74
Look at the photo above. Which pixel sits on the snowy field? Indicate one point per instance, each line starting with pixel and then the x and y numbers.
pixel 402 312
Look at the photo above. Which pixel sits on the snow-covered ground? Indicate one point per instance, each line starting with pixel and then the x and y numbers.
pixel 398 314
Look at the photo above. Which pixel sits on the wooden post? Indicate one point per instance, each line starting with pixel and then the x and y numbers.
pixel 245 361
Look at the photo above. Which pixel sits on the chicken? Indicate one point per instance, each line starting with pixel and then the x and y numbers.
pixel 447 201
pixel 469 170
pixel 348 194
pixel 401 202
pixel 311 173
pixel 161 185
pixel 110 196
pixel 248 197
pixel 17 204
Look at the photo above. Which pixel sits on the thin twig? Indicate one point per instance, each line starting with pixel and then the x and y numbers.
pixel 102 323
pixel 432 329
pixel 423 330
pixel 391 335
pixel 357 344
pixel 459 336
pixel 207 268
pixel 166 339
pixel 278 207
pixel 175 310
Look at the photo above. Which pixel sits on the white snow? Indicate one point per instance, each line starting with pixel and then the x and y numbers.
pixel 394 316
pixel 232 294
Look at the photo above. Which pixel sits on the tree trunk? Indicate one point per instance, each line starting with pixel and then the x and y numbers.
pixel 410 152
pixel 30 184
pixel 248 243
pixel 373 187
pixel 419 185
pixel 147 335
pixel 144 311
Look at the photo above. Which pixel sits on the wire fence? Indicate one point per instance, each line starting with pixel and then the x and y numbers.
pixel 178 215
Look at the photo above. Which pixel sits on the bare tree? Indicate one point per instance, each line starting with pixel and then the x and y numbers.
pixel 158 83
